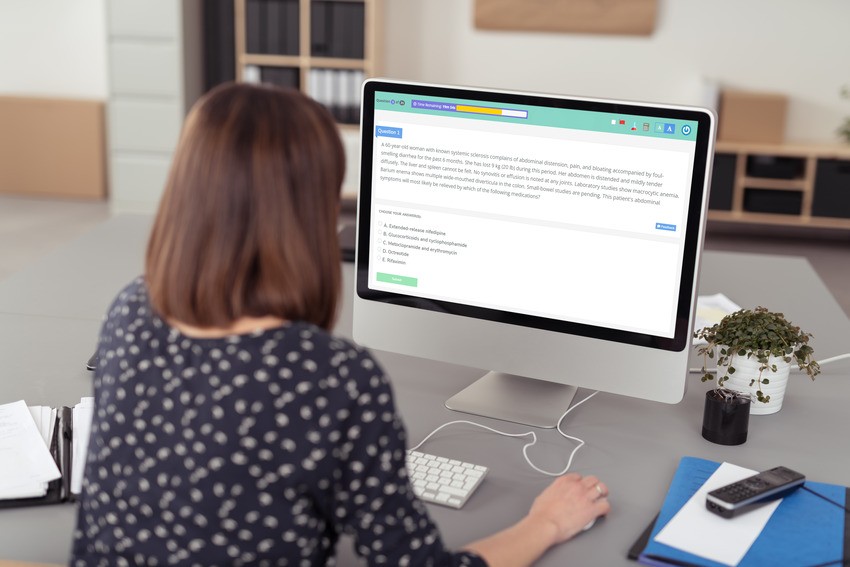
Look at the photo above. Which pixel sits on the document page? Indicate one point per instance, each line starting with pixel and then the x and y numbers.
pixel 696 530
pixel 45 421
pixel 25 461
pixel 83 412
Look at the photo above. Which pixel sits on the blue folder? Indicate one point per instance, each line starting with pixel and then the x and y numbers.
pixel 805 530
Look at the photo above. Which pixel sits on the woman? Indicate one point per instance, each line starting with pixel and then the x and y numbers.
pixel 230 426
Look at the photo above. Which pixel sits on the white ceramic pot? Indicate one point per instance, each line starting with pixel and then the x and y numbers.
pixel 747 370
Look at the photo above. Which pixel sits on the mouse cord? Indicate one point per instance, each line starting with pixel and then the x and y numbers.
pixel 527 433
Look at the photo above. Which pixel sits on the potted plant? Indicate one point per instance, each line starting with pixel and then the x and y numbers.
pixel 754 350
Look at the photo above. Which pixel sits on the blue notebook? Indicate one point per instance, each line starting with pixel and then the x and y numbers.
pixel 805 530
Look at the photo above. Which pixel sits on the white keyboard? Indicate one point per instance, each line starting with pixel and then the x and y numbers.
pixel 443 481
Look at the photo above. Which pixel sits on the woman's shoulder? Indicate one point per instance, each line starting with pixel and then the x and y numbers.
pixel 133 293
pixel 134 290
pixel 336 351
pixel 312 337
pixel 130 302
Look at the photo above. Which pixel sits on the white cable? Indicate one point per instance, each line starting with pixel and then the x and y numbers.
pixel 527 445
pixel 833 359
pixel 820 362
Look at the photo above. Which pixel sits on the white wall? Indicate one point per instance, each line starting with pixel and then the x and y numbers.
pixel 53 48
pixel 58 48
pixel 795 48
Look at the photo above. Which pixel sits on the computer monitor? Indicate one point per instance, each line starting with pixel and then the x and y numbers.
pixel 552 240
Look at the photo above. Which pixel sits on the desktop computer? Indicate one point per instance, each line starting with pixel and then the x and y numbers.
pixel 551 240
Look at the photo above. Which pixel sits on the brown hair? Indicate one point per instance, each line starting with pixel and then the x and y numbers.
pixel 247 224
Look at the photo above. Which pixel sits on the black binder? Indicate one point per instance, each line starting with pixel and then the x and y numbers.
pixel 59 490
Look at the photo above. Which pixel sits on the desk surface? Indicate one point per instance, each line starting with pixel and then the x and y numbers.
pixel 50 314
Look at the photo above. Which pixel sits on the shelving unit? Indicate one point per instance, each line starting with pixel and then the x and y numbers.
pixel 790 185
pixel 325 48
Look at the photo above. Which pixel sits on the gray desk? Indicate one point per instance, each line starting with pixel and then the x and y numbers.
pixel 50 313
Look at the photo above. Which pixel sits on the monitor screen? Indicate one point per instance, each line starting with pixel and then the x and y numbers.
pixel 521 232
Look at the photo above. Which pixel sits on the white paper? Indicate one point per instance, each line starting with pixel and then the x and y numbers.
pixel 25 461
pixel 710 310
pixel 83 412
pixel 45 421
pixel 28 490
pixel 696 530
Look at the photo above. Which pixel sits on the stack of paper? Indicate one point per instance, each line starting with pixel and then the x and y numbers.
pixel 26 465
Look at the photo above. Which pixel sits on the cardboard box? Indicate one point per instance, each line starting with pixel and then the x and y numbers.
pixel 52 147
pixel 752 117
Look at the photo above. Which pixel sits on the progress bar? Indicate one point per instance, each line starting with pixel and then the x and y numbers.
pixel 451 107
pixel 494 111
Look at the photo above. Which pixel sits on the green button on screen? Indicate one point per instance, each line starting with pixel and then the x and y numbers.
pixel 400 280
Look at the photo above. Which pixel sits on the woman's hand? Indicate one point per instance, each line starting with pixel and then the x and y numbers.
pixel 558 513
pixel 569 504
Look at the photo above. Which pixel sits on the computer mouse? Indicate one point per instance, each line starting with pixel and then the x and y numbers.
pixel 589 525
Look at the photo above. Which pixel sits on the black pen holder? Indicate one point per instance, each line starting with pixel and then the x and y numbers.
pixel 727 416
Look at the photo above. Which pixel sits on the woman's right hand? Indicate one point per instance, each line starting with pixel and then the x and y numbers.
pixel 569 504
pixel 562 510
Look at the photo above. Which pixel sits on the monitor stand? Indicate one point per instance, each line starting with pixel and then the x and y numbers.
pixel 508 397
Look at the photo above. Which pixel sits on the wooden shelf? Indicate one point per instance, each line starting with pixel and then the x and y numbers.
pixel 265 60
pixel 779 185
pixel 821 151
pixel 779 220
pixel 772 183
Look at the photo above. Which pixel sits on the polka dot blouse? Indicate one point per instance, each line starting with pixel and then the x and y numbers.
pixel 254 449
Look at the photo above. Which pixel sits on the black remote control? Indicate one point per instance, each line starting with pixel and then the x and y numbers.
pixel 744 495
